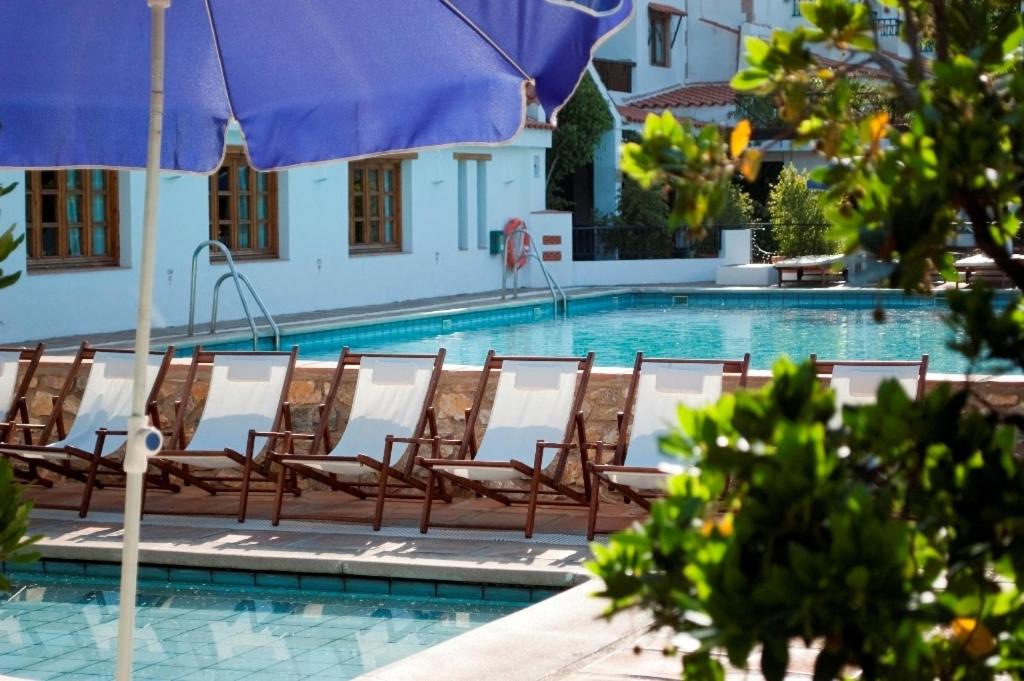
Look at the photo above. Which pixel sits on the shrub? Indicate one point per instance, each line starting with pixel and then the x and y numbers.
pixel 798 221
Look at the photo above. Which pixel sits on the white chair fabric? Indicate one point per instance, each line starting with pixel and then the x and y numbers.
pixel 661 389
pixel 245 394
pixel 106 403
pixel 532 402
pixel 389 399
pixel 8 379
pixel 858 384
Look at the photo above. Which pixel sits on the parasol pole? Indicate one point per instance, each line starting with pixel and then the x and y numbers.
pixel 140 435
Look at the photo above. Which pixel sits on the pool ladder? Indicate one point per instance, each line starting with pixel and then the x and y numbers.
pixel 523 239
pixel 239 279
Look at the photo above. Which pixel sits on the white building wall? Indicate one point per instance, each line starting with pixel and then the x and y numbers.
pixel 315 270
pixel 631 44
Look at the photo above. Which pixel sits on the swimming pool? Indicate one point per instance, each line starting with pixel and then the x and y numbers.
pixel 58 629
pixel 835 325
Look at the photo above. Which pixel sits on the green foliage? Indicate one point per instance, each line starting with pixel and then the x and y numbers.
pixel 737 209
pixel 695 166
pixel 8 243
pixel 581 123
pixel 13 522
pixel 798 219
pixel 881 538
pixel 893 541
pixel 639 207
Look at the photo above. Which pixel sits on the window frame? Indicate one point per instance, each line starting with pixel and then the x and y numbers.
pixel 235 157
pixel 34 225
pixel 656 16
pixel 394 163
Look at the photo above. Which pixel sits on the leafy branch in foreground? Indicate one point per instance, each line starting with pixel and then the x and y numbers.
pixel 13 523
pixel 891 542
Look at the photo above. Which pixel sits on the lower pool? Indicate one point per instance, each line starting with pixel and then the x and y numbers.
pixel 53 629
pixel 696 325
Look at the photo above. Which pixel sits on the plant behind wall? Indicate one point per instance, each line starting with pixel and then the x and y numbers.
pixel 892 543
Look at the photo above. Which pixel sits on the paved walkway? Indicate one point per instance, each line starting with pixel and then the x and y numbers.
pixel 553 558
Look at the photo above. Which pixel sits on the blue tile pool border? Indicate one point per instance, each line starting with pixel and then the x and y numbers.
pixel 169 576
pixel 402 327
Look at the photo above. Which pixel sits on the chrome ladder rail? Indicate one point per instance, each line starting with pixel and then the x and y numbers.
pixel 239 279
pixel 553 286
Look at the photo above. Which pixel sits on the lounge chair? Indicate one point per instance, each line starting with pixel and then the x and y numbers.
pixel 390 406
pixel 656 390
pixel 821 269
pixel 537 405
pixel 99 427
pixel 856 382
pixel 980 266
pixel 13 392
pixel 247 399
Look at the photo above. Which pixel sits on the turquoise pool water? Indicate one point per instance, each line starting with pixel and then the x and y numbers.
pixel 696 325
pixel 67 631
pixel 616 327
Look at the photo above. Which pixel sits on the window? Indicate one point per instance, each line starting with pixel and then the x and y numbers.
pixel 660 36
pixel 71 218
pixel 375 205
pixel 243 208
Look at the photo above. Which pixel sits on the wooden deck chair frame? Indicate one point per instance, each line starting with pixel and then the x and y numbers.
pixel 99 467
pixel 214 484
pixel 467 449
pixel 17 410
pixel 600 472
pixel 387 474
pixel 824 367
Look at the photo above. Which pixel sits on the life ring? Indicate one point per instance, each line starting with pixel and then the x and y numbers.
pixel 516 260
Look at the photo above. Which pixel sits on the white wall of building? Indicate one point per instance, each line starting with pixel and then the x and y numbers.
pixel 624 272
pixel 647 77
pixel 315 270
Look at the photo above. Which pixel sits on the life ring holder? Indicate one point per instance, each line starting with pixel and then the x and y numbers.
pixel 516 260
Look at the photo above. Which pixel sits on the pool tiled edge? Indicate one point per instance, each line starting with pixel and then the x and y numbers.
pixel 270 582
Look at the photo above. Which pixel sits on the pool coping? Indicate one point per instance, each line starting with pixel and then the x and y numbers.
pixel 547 640
pixel 391 553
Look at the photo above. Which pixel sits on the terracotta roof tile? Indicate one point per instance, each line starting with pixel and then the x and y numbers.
pixel 700 94
pixel 632 114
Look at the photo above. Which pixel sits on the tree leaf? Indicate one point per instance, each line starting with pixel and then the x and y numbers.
pixel 739 139
pixel 750 164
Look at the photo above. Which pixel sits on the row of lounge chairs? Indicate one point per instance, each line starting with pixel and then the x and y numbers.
pixel 390 447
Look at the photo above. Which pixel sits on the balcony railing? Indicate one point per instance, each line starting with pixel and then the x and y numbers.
pixel 615 74
pixel 640 243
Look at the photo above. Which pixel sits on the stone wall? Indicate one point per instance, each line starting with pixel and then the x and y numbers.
pixel 605 397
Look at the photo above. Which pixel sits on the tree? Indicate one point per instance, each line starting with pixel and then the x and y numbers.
pixel 894 540
pixel 581 123
pixel 797 215
pixel 13 512
pixel 8 243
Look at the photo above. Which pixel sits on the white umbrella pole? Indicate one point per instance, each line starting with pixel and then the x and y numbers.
pixel 135 463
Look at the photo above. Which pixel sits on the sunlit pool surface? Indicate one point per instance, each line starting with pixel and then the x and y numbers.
pixel 68 631
pixel 616 336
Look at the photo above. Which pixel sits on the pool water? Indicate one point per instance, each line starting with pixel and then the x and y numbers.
pixel 68 631
pixel 696 332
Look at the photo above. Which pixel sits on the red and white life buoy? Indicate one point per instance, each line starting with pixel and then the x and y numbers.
pixel 516 259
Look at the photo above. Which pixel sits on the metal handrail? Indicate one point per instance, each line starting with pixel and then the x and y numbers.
pixel 524 238
pixel 255 296
pixel 239 279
